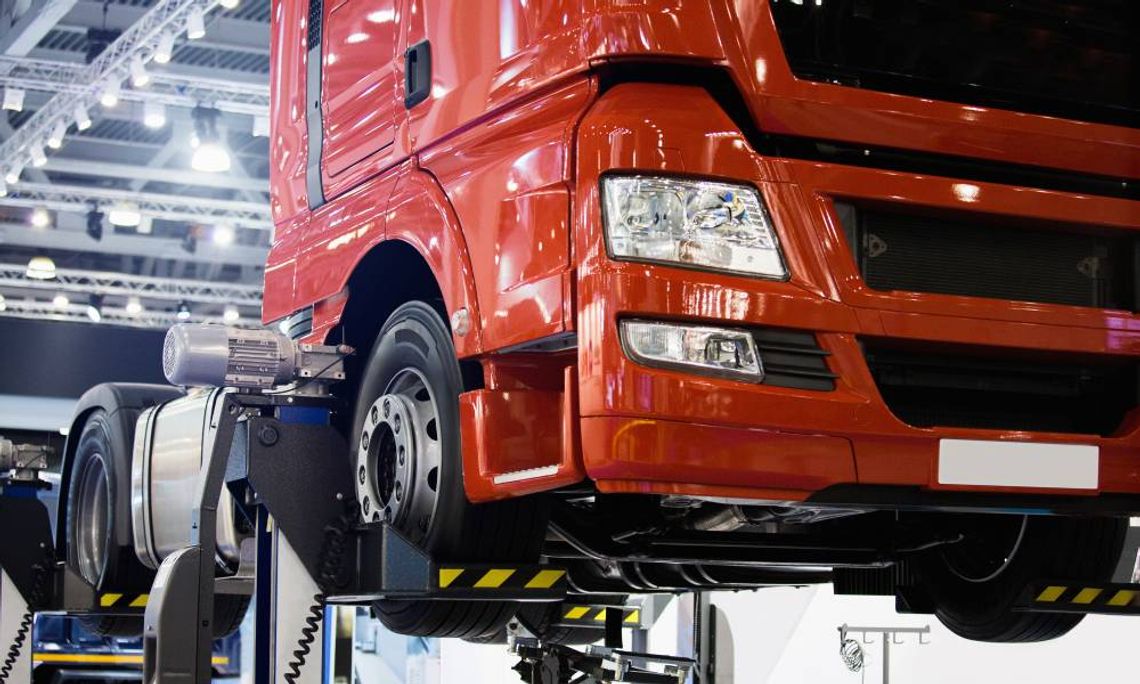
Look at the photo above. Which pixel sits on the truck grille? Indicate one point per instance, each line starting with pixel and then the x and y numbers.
pixel 793 359
pixel 984 256
pixel 953 387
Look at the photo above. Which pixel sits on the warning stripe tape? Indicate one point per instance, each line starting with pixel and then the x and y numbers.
pixel 1086 596
pixel 105 658
pixel 113 600
pixel 596 615
pixel 501 578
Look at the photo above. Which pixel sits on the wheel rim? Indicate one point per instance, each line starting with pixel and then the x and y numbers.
pixel 987 549
pixel 91 528
pixel 401 454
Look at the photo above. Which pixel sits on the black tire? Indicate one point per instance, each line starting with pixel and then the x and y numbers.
pixel 974 585
pixel 98 517
pixel 540 619
pixel 229 611
pixel 416 340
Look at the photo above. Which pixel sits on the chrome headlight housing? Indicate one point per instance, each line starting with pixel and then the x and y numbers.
pixel 702 224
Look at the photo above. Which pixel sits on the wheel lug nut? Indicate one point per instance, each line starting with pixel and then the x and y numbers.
pixel 375 415
pixel 364 441
pixel 362 475
pixel 399 491
pixel 396 429
pixel 401 452
pixel 387 408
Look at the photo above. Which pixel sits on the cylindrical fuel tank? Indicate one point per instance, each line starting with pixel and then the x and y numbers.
pixel 169 449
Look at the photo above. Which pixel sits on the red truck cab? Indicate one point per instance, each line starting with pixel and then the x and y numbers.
pixel 725 294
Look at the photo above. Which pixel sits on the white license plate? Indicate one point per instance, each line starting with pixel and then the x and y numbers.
pixel 1018 464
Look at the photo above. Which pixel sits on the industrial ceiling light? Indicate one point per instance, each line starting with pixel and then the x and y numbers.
pixel 165 49
pixel 95 223
pixel 110 96
pixel 40 268
pixel 125 214
pixel 231 314
pixel 37 155
pixel 154 114
pixel 229 4
pixel 3 303
pixel 223 235
pixel 95 308
pixel 55 140
pixel 60 301
pixel 211 155
pixel 140 77
pixel 145 226
pixel 183 311
pixel 12 175
pixel 134 306
pixel 41 218
pixel 261 126
pixel 82 118
pixel 14 99
pixel 195 23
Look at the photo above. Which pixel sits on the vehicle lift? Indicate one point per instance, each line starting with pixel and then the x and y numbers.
pixel 290 470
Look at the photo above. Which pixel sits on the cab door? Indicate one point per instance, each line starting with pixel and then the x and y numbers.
pixel 360 102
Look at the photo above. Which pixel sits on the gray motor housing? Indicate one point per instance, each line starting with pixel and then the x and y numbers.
pixel 216 356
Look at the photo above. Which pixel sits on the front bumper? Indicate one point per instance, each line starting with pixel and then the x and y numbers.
pixel 661 431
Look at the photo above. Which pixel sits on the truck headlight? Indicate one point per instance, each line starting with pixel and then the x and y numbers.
pixel 699 349
pixel 704 224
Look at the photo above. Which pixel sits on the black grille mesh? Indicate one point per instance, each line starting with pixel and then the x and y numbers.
pixel 979 256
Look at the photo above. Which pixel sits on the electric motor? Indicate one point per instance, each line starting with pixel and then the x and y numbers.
pixel 216 356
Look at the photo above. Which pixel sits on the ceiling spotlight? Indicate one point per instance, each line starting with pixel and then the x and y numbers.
pixel 211 155
pixel 165 49
pixel 183 311
pixel 55 140
pixel 231 314
pixel 95 223
pixel 37 155
pixel 14 99
pixel 82 118
pixel 229 4
pixel 154 114
pixel 110 95
pixel 190 243
pixel 12 175
pixel 60 301
pixel 41 218
pixel 140 77
pixel 261 126
pixel 145 226
pixel 3 303
pixel 134 306
pixel 223 235
pixel 195 23
pixel 40 268
pixel 95 308
pixel 125 214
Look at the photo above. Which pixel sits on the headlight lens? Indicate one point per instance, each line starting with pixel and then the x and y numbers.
pixel 716 226
pixel 700 349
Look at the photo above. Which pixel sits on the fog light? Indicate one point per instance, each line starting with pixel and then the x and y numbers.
pixel 723 352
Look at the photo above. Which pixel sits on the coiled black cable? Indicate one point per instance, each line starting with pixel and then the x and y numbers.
pixel 41 573
pixel 330 577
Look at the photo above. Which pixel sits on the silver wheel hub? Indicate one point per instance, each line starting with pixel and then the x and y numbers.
pixel 398 457
pixel 92 520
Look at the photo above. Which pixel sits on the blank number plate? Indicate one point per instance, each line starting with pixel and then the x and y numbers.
pixel 1018 464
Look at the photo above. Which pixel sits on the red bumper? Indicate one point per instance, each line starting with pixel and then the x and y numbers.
pixel 651 430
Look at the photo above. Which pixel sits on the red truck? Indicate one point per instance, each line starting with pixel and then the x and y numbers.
pixel 724 294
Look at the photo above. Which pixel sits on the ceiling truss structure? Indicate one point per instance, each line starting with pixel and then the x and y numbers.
pixel 169 89
pixel 77 313
pixel 118 284
pixel 170 207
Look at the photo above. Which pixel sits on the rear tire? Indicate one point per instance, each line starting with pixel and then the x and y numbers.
pixel 415 478
pixel 975 583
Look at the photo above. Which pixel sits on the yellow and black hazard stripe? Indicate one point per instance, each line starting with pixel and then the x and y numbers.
pixel 1084 598
pixel 119 601
pixel 103 658
pixel 579 615
pixel 474 579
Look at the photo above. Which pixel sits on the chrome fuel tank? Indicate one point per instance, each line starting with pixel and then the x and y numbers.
pixel 170 444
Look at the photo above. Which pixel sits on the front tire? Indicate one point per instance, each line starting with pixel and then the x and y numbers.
pixel 975 583
pixel 410 473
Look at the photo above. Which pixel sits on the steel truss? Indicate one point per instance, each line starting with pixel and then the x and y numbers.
pixel 77 313
pixel 122 285
pixel 169 89
pixel 170 207
pixel 111 65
